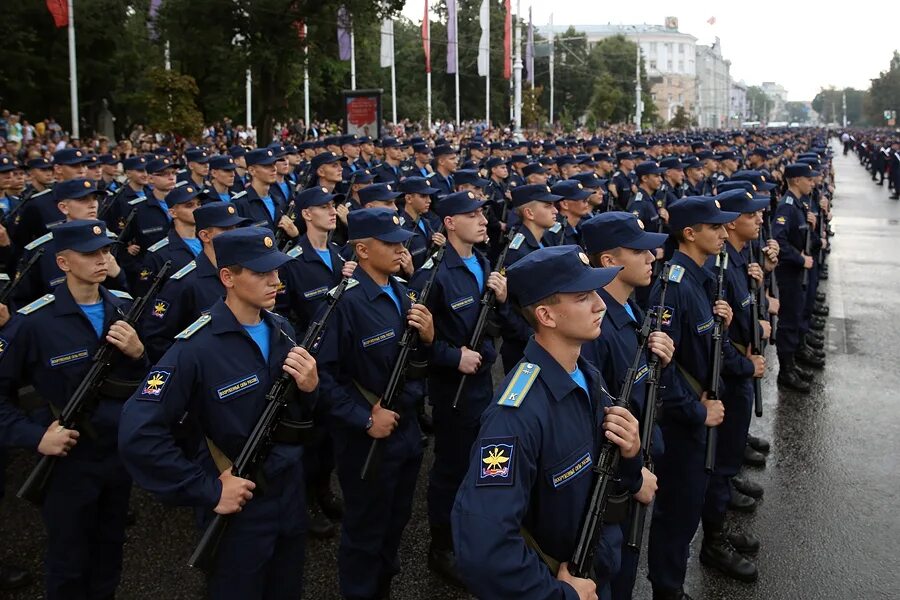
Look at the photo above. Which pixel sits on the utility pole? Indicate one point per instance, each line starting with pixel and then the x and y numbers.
pixel 844 106
pixel 637 85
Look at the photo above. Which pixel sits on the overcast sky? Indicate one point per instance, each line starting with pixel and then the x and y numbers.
pixel 804 46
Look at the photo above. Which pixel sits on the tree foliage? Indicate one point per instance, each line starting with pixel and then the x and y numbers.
pixel 828 103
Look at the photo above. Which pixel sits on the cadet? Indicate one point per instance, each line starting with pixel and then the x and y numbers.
pixel 697 225
pixel 445 161
pixel 241 179
pixel 534 205
pixel 790 229
pixel 222 177
pixel 50 344
pixel 193 289
pixel 617 239
pixel 693 174
pixel 737 392
pixel 256 202
pixel 197 167
pixel 421 164
pixel 41 213
pixel 115 209
pixel 219 371
pixel 461 280
pixel 325 171
pixel 318 268
pixel 643 205
pixel 621 186
pixel 357 356
pixel 530 473
pixel 77 201
pixel 416 203
pixel 389 170
pixel 40 172
pixel 572 207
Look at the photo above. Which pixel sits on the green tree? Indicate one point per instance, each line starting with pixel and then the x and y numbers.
pixel 797 112
pixel 829 104
pixel 169 102
pixel 681 120
pixel 533 114
pixel 759 104
pixel 884 94
pixel 612 61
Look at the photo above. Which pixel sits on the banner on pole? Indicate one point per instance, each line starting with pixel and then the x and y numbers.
pixel 362 112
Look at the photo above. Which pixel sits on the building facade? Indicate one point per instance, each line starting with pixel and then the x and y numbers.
pixel 778 97
pixel 713 87
pixel 740 110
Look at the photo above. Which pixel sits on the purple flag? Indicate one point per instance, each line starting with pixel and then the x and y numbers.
pixel 343 33
pixel 451 36
pixel 529 50
pixel 151 22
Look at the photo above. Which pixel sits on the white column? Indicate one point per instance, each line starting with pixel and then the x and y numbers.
pixel 352 59
pixel 249 98
pixel 517 70
pixel 637 86
pixel 305 78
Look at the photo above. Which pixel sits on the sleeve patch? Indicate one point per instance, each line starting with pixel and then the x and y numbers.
pixel 3 345
pixel 152 388
pixel 780 220
pixel 666 313
pixel 521 382
pixel 160 308
pixel 495 465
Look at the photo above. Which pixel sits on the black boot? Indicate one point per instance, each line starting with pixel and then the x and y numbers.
pixel 754 458
pixel 820 310
pixel 815 335
pixel 441 558
pixel 661 594
pixel 804 374
pixel 815 343
pixel 747 487
pixel 789 379
pixel 13 578
pixel 805 357
pixel 817 323
pixel 741 503
pixel 821 296
pixel 818 353
pixel 757 443
pixel 745 543
pixel 320 527
pixel 717 552
pixel 331 504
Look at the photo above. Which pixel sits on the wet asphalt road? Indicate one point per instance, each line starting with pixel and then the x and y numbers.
pixel 829 521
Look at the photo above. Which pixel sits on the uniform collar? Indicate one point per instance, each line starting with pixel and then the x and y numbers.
pixel 65 304
pixel 559 383
pixel 698 273
pixel 735 257
pixel 224 321
pixel 372 289
pixel 616 313
pixel 453 260
pixel 204 267
pixel 529 237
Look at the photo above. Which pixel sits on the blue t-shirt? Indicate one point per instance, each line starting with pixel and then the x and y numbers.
pixel 325 255
pixel 422 226
pixel 630 312
pixel 165 207
pixel 94 313
pixel 475 269
pixel 270 206
pixel 194 244
pixel 225 197
pixel 260 335
pixel 390 292
pixel 284 190
pixel 578 377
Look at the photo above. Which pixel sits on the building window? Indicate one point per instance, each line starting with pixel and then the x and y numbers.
pixel 652 47
pixel 669 47
pixel 669 65
pixel 681 66
pixel 653 65
pixel 680 98
pixel 680 48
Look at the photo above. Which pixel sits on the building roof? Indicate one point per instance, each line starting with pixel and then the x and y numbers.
pixel 611 29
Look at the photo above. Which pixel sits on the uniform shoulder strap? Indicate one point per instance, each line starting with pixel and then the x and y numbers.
pixel 41 302
pixel 194 327
pixel 521 382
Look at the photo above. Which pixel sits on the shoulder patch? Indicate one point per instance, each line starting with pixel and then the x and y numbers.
pixel 676 272
pixel 516 242
pixel 428 264
pixel 37 304
pixel 496 467
pixel 121 294
pixel 158 245
pixel 194 327
pixel 519 385
pixel 239 195
pixel 781 220
pixel 295 252
pixel 184 270
pixel 638 197
pixel 137 200
pixel 40 241
pixel 153 386
pixel 47 191
pixel 351 283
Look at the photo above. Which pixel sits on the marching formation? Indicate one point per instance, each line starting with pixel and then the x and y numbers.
pixel 233 332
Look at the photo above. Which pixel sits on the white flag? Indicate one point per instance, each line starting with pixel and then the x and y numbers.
pixel 484 43
pixel 387 43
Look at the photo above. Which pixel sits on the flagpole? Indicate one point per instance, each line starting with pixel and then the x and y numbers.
pixel 73 74
pixel 393 77
pixel 517 68
pixel 249 98
pixel 456 62
pixel 487 72
pixel 551 69
pixel 427 26
pixel 305 78
pixel 352 59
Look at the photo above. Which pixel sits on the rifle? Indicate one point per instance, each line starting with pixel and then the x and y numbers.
pixel 488 300
pixel 715 372
pixel 281 237
pixel 807 251
pixel 639 514
pixel 604 475
pixel 773 285
pixel 126 227
pixel 756 304
pixel 398 374
pixel 35 487
pixel 20 275
pixel 256 448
